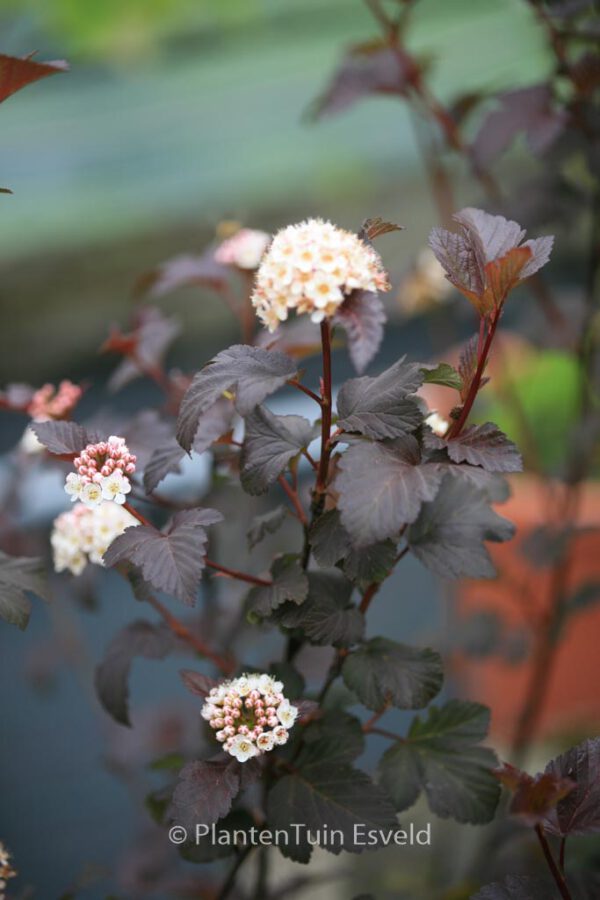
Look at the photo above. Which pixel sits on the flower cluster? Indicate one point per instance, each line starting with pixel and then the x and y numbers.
pixel 250 715
pixel 49 402
pixel 437 423
pixel 102 471
pixel 244 249
pixel 6 869
pixel 84 535
pixel 312 267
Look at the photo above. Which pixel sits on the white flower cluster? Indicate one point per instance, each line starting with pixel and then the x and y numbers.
pixel 250 715
pixel 6 869
pixel 84 535
pixel 101 474
pixel 437 423
pixel 312 267
pixel 244 249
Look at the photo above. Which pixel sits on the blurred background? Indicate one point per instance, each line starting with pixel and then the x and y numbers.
pixel 175 116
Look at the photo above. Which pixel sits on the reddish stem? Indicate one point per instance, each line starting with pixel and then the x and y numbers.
pixel 240 576
pixel 294 498
pixel 137 515
pixel 456 429
pixel 321 484
pixel 225 665
pixel 556 873
pixel 293 382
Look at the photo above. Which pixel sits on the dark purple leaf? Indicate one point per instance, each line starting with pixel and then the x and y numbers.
pixel 382 487
pixel 579 812
pixel 19 574
pixel 146 346
pixel 527 110
pixel 441 756
pixel 485 446
pixel 326 616
pixel 366 69
pixel 383 406
pixel 63 438
pixel 170 561
pixel 289 583
pixel 265 524
pixel 362 317
pixel 140 638
pixel 448 537
pixel 184 271
pixel 197 683
pixel 17 73
pixel 166 458
pixel 383 671
pixel 207 788
pixel 270 443
pixel 251 372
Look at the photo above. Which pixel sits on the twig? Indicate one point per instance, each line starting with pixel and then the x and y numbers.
pixel 225 665
pixel 556 873
pixel 293 382
pixel 240 576
pixel 326 417
pixel 458 425
pixel 294 498
pixel 230 880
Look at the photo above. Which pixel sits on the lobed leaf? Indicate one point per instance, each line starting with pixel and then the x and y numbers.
pixel 184 271
pixel 326 616
pixel 170 561
pixel 19 574
pixel 207 788
pixel 382 487
pixel 289 583
pixel 485 446
pixel 579 812
pixel 440 756
pixel 448 536
pixel 362 316
pixel 270 443
pixel 139 638
pixel 264 524
pixel 443 374
pixel 253 373
pixel 382 407
pixel 384 672
pixel 62 438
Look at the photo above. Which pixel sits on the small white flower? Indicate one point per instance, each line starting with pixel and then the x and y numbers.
pixel 438 424
pixel 73 486
pixel 287 714
pixel 91 494
pixel 280 734
pixel 116 441
pixel 115 486
pixel 265 741
pixel 242 748
pixel 243 686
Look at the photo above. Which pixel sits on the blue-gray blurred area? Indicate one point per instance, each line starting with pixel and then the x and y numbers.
pixel 174 115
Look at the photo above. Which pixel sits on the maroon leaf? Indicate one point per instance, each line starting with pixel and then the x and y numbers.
pixel 171 561
pixel 528 110
pixel 371 68
pixel 16 73
pixel 144 348
pixel 197 683
pixel 384 406
pixel 579 812
pixel 533 797
pixel 252 372
pixel 487 257
pixel 207 788
pixel 362 317
pixel 382 487
pixel 485 446
pixel 166 458
pixel 184 271
pixel 140 638
pixel 63 438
